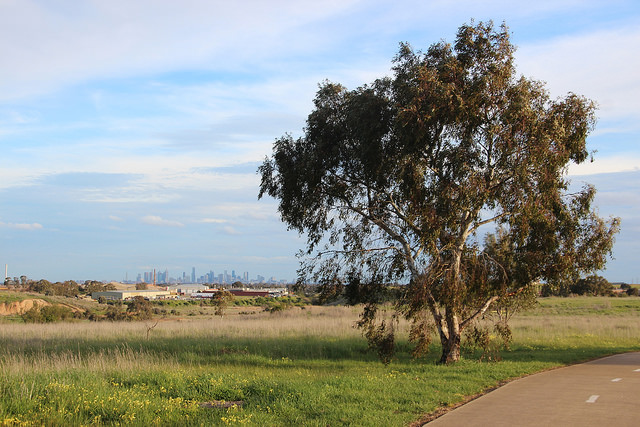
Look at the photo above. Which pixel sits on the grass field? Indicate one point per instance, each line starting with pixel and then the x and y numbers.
pixel 298 367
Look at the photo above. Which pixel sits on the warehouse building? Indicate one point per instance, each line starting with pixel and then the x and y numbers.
pixel 130 294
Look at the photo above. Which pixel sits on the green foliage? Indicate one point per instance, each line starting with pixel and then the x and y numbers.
pixel 68 288
pixel 221 301
pixel 632 292
pixel 392 181
pixel 47 314
pixel 139 308
pixel 116 312
pixel 91 286
pixel 593 285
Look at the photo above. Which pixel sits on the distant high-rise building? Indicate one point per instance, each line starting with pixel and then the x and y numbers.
pixel 193 275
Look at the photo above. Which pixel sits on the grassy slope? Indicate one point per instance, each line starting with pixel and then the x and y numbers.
pixel 306 367
pixel 11 296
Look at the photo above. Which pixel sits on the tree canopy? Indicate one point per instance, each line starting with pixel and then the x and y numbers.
pixel 402 180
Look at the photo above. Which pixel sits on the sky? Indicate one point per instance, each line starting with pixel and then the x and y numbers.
pixel 131 131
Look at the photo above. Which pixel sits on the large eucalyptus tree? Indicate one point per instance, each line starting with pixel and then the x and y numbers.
pixel 400 180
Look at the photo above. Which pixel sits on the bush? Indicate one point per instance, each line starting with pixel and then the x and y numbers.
pixel 115 312
pixel 139 308
pixel 592 285
pixel 47 314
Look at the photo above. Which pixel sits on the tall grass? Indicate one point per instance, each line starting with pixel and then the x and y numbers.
pixel 299 367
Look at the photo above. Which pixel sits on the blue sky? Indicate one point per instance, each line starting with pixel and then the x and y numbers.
pixel 130 131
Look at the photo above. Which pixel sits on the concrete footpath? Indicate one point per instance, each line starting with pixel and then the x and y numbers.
pixel 598 393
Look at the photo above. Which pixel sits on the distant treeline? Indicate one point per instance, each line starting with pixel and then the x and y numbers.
pixel 68 288
pixel 593 285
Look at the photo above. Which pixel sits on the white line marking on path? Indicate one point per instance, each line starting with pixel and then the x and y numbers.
pixel 593 398
pixel 636 370
pixel 615 380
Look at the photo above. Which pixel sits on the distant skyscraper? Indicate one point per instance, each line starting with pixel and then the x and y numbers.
pixel 193 275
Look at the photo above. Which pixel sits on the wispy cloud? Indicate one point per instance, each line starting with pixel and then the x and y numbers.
pixel 159 221
pixel 596 64
pixel 22 226
pixel 610 164
pixel 214 221
pixel 231 231
pixel 122 37
pixel 98 126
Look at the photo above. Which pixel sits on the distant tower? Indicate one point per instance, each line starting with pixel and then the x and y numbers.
pixel 193 275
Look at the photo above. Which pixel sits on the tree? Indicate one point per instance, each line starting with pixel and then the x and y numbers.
pixel 221 300
pixel 593 285
pixel 398 180
pixel 91 286
pixel 42 286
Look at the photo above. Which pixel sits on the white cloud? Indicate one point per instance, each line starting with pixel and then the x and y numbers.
pixel 600 65
pixel 231 231
pixel 214 221
pixel 610 164
pixel 159 221
pixel 115 38
pixel 256 210
pixel 22 226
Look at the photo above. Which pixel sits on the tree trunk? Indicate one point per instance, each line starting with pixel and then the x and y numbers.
pixel 451 341
pixel 450 349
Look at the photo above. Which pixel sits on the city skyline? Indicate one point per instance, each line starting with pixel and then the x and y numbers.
pixel 131 132
pixel 164 277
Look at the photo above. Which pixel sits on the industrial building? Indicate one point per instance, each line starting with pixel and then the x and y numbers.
pixel 129 294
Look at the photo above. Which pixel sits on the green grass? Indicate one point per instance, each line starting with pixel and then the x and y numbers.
pixel 300 367
pixel 8 297
pixel 598 306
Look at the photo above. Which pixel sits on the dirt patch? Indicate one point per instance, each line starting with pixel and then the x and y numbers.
pixel 20 307
pixel 73 308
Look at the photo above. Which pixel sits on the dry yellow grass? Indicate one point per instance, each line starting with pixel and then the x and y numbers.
pixel 28 347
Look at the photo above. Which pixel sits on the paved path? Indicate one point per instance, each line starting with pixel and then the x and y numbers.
pixel 604 392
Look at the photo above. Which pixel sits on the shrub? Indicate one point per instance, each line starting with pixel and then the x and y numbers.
pixel 592 285
pixel 47 314
pixel 139 308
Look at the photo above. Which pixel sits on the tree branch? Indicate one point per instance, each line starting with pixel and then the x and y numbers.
pixel 479 312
